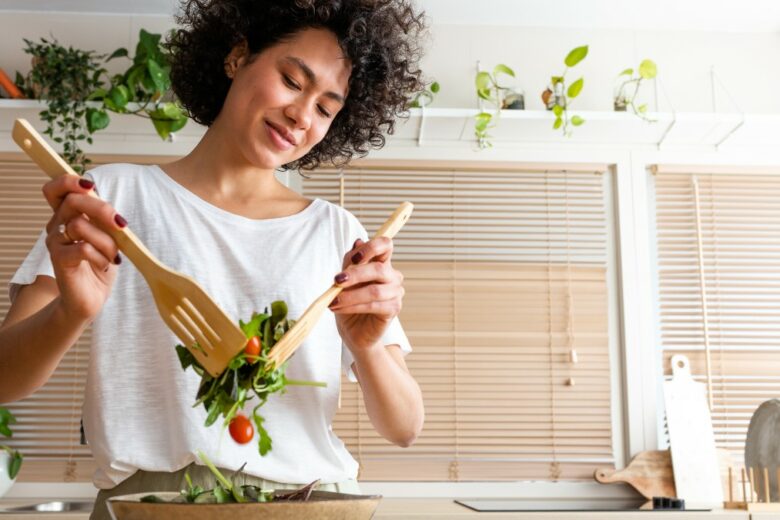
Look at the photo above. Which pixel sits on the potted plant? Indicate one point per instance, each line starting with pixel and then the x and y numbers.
pixel 502 97
pixel 628 87
pixel 557 96
pixel 10 459
pixel 425 97
pixel 68 79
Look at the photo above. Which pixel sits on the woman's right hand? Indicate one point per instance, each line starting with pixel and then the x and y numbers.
pixel 85 256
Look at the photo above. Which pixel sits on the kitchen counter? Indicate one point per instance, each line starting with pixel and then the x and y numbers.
pixel 440 508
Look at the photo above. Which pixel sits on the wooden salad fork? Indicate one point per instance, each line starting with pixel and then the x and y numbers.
pixel 202 326
pixel 293 338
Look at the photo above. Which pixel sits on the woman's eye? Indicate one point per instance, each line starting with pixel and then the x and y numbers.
pixel 290 82
pixel 323 111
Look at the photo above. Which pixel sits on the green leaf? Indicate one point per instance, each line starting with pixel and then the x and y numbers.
pixel 264 443
pixel 163 127
pixel 557 124
pixel 151 499
pixel 648 69
pixel 119 96
pixel 185 356
pixel 178 124
pixel 96 119
pixel 158 75
pixel 627 72
pixel 557 79
pixel 642 109
pixel 575 88
pixel 483 81
pixel 15 464
pixel 576 56
pixel 557 110
pixel 119 53
pixel 97 94
pixel 435 87
pixel 577 120
pixel 503 68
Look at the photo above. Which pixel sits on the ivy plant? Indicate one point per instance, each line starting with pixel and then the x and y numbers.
pixel 425 97
pixel 628 88
pixel 557 95
pixel 488 89
pixel 15 462
pixel 65 77
pixel 79 92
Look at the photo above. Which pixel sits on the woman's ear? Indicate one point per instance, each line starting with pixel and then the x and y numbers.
pixel 236 58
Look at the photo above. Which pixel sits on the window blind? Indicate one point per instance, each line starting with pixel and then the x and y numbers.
pixel 48 424
pixel 506 308
pixel 718 237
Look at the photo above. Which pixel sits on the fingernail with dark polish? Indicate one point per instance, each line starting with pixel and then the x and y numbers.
pixel 86 184
pixel 120 221
pixel 334 302
pixel 341 277
pixel 117 259
pixel 357 257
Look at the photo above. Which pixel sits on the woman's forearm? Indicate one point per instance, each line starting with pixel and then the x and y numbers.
pixel 392 397
pixel 31 349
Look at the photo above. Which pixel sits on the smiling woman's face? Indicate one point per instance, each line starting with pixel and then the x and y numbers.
pixel 283 102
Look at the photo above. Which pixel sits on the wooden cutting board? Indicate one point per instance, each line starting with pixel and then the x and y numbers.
pixel 650 473
pixel 691 439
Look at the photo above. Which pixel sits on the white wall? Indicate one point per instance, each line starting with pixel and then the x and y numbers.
pixel 743 61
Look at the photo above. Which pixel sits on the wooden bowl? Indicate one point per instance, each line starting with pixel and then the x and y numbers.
pixel 322 505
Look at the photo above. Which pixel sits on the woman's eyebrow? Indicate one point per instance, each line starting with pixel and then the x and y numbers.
pixel 311 77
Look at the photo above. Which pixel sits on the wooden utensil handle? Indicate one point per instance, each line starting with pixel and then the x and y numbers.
pixel 389 229
pixel 31 142
pixel 396 221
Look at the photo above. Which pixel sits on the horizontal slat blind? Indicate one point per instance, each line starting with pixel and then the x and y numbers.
pixel 49 420
pixel 48 427
pixel 505 273
pixel 729 296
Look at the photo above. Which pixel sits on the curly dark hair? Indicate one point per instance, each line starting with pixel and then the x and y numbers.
pixel 381 38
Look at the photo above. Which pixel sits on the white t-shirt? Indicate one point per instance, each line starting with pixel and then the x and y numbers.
pixel 138 411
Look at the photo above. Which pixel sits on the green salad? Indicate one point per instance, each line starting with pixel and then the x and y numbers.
pixel 249 374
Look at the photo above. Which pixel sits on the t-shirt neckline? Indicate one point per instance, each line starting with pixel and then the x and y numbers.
pixel 206 206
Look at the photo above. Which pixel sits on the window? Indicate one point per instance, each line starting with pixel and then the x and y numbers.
pixel 718 239
pixel 506 275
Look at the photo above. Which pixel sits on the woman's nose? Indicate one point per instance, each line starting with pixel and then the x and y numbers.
pixel 300 114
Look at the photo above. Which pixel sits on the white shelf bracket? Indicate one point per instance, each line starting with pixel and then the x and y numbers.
pixel 715 78
pixel 422 126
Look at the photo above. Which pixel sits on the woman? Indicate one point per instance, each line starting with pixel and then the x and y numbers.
pixel 279 84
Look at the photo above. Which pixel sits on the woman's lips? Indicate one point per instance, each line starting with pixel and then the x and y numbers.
pixel 277 138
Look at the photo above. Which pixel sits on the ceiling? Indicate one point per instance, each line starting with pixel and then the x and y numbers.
pixel 706 15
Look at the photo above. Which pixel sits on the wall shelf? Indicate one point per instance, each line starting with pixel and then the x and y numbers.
pixel 455 127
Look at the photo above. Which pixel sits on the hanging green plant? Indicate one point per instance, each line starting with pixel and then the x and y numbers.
pixel 488 89
pixel 425 97
pixel 628 88
pixel 69 79
pixel 557 95
pixel 64 77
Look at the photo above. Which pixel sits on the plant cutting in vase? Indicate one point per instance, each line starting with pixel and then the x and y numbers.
pixel 557 95
pixel 69 78
pixel 425 97
pixel 489 90
pixel 628 88
pixel 15 462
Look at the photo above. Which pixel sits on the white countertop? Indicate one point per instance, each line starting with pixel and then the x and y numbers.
pixel 441 508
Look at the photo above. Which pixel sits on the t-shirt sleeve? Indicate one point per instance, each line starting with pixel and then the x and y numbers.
pixel 394 334
pixel 36 263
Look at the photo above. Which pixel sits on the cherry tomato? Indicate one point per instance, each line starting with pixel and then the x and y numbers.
pixel 241 429
pixel 252 348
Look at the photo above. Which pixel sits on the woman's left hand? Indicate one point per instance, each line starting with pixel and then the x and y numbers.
pixel 372 295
